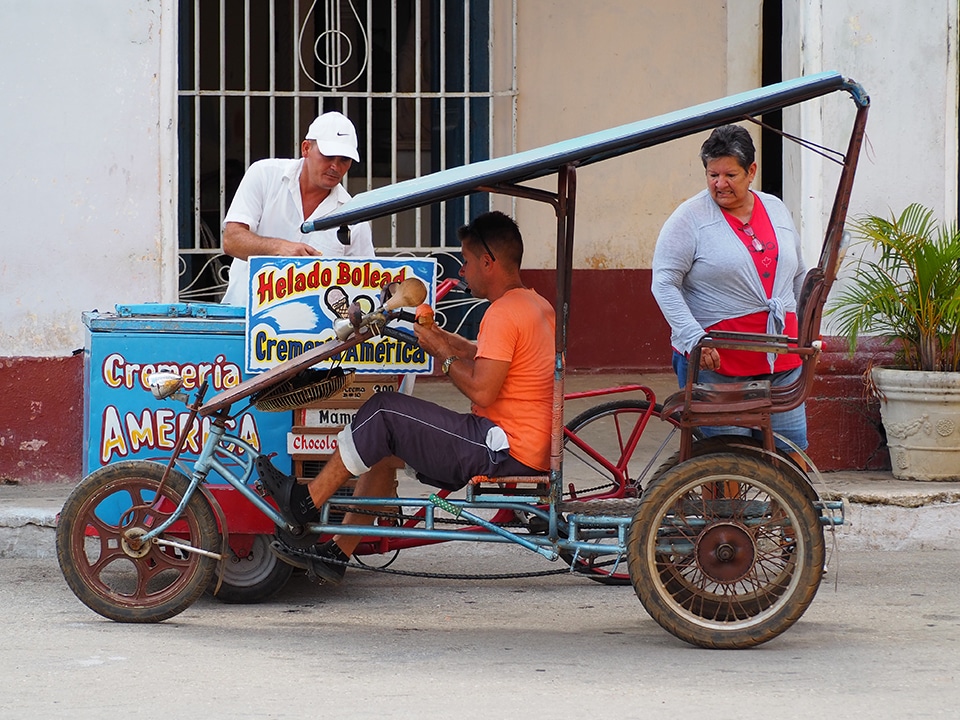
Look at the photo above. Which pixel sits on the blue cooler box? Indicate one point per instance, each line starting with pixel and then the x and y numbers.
pixel 123 421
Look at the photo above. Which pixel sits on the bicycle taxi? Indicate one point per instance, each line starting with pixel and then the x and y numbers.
pixel 722 541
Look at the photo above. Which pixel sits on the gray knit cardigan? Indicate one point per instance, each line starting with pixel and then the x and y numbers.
pixel 703 273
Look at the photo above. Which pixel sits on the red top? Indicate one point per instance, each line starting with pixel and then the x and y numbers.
pixel 759 238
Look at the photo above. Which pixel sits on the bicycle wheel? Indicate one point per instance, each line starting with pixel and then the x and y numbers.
pixel 592 473
pixel 726 551
pixel 254 578
pixel 108 573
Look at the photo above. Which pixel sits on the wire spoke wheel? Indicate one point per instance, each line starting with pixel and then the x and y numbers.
pixel 591 472
pixel 105 564
pixel 741 444
pixel 726 551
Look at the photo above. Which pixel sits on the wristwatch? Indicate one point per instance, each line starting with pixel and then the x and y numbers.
pixel 447 363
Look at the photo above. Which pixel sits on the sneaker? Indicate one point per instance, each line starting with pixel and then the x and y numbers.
pixel 326 562
pixel 292 497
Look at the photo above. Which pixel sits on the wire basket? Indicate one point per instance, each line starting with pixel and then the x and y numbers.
pixel 306 387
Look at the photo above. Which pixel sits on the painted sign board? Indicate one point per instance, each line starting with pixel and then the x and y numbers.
pixel 122 419
pixel 295 301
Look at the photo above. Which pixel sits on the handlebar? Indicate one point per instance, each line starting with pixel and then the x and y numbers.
pixel 400 335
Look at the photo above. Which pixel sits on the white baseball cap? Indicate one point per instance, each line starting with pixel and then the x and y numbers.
pixel 335 135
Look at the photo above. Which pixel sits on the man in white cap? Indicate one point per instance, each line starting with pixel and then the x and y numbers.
pixel 276 196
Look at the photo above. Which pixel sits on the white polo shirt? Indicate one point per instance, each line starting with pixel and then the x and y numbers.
pixel 268 202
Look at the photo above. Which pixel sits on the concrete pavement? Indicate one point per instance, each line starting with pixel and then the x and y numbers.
pixel 882 513
pixel 879 641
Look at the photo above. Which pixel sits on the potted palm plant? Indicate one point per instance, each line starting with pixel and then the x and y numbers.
pixel 906 289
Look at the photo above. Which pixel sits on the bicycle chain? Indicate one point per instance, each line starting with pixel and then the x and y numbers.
pixel 430 575
pixel 458 576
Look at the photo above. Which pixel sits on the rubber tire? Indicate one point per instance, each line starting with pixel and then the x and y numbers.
pixel 600 412
pixel 755 617
pixel 192 572
pixel 250 581
pixel 705 446
pixel 744 445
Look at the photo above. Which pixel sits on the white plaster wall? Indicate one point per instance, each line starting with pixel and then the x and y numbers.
pixel 84 165
pixel 904 55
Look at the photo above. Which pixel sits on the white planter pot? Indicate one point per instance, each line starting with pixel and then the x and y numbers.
pixel 921 416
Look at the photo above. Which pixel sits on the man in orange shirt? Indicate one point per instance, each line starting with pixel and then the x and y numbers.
pixel 507 374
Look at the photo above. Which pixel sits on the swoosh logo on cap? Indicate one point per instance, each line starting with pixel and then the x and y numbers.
pixel 340 134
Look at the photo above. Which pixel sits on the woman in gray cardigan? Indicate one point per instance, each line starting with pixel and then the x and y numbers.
pixel 729 259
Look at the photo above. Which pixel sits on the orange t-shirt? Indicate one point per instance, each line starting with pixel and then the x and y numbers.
pixel 519 328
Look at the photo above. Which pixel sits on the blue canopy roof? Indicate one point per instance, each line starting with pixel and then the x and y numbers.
pixel 583 150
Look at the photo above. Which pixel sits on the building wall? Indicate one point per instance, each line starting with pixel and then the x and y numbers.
pixel 625 62
pixel 86 180
pixel 86 145
pixel 89 162
pixel 905 56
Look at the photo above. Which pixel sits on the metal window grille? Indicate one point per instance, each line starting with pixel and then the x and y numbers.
pixel 419 79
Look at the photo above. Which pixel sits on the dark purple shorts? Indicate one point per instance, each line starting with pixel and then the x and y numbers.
pixel 444 447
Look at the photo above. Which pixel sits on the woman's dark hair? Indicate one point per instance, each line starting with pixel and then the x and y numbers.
pixel 729 141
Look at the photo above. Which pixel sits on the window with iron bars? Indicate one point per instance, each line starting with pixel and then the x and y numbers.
pixel 419 79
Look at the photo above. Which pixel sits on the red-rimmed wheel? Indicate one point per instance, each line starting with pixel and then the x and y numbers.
pixel 103 560
pixel 587 475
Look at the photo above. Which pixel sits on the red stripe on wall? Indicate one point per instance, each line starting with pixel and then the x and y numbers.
pixel 615 326
pixel 41 419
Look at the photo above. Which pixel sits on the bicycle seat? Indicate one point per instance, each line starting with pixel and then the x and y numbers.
pixel 716 398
